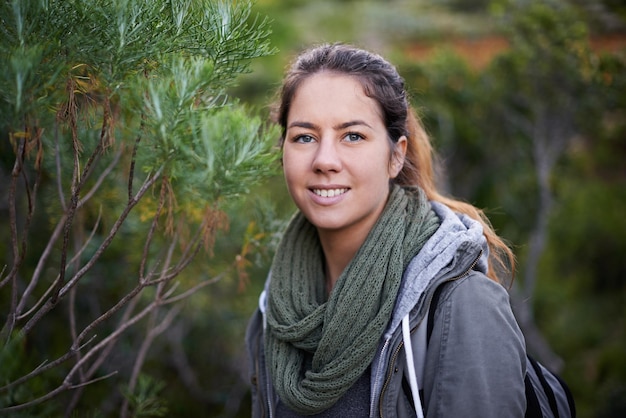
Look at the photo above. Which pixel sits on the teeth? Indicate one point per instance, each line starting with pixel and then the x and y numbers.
pixel 329 192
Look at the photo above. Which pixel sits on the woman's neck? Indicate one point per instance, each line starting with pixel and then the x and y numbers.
pixel 339 249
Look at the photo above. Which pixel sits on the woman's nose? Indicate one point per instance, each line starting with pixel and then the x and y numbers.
pixel 327 158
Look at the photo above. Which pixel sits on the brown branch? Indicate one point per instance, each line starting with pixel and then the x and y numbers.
pixel 33 282
pixel 50 395
pixel 69 113
pixel 153 226
pixel 44 367
pixel 101 178
pixel 97 379
pixel 164 278
pixel 153 330
pixel 69 219
pixel 67 381
pixel 114 309
pixel 112 337
pixel 54 237
pixel 57 158
pixel 193 290
pixel 188 255
pixel 130 307
pixel 78 179
pixel 175 271
pixel 72 315
pixel 186 372
pixel 105 244
pixel 133 159
pixel 131 302
pixel 18 257
pixel 104 354
pixel 185 259
pixel 106 345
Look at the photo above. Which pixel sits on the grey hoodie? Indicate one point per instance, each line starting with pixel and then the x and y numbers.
pixel 475 362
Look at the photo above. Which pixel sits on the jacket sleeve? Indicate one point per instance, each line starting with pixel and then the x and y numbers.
pixel 475 363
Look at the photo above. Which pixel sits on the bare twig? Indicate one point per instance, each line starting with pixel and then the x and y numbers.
pixel 18 256
pixel 188 255
pixel 153 226
pixel 130 302
pixel 113 336
pixel 194 289
pixel 83 384
pixel 79 178
pixel 153 330
pixel 181 362
pixel 50 395
pixel 53 239
pixel 40 266
pixel 130 307
pixel 57 158
pixel 131 171
pixel 44 367
pixel 72 315
pixel 104 354
pixel 69 113
pixel 47 292
pixel 105 244
pixel 101 178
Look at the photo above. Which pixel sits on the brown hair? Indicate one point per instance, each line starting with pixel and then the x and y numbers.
pixel 382 83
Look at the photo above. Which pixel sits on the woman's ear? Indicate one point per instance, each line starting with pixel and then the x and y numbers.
pixel 397 159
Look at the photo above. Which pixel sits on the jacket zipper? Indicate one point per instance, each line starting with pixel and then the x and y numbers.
pixel 390 372
pixel 269 401
pixel 259 382
pixel 267 382
pixel 393 358
pixel 382 354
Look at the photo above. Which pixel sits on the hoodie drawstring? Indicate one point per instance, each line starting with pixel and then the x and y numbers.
pixel 416 368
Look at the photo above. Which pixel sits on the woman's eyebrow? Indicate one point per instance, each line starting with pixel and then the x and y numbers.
pixel 299 124
pixel 344 125
pixel 351 123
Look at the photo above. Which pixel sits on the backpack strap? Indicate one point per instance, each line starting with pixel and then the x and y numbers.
pixel 533 406
pixel 531 362
pixel 547 395
pixel 431 312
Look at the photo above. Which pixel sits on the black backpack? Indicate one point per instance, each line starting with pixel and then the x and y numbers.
pixel 547 395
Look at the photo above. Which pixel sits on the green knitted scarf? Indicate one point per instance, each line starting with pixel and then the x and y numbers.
pixel 317 347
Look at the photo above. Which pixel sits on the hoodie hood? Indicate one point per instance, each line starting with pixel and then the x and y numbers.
pixel 457 246
pixel 450 251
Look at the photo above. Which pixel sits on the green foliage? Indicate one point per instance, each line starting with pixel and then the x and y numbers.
pixel 550 52
pixel 118 40
pixel 125 150
pixel 14 361
pixel 146 400
pixel 472 6
pixel 547 82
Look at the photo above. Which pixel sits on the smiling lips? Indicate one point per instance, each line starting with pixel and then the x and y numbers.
pixel 329 192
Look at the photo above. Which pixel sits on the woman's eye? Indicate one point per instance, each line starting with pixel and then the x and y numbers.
pixel 353 137
pixel 303 139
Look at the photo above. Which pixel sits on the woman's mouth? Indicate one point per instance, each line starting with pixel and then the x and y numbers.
pixel 329 192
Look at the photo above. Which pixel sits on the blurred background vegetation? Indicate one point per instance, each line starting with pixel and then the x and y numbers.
pixel 526 105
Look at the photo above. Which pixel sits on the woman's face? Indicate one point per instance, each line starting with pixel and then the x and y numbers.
pixel 336 155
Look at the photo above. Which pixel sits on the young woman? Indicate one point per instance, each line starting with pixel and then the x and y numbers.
pixel 337 332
